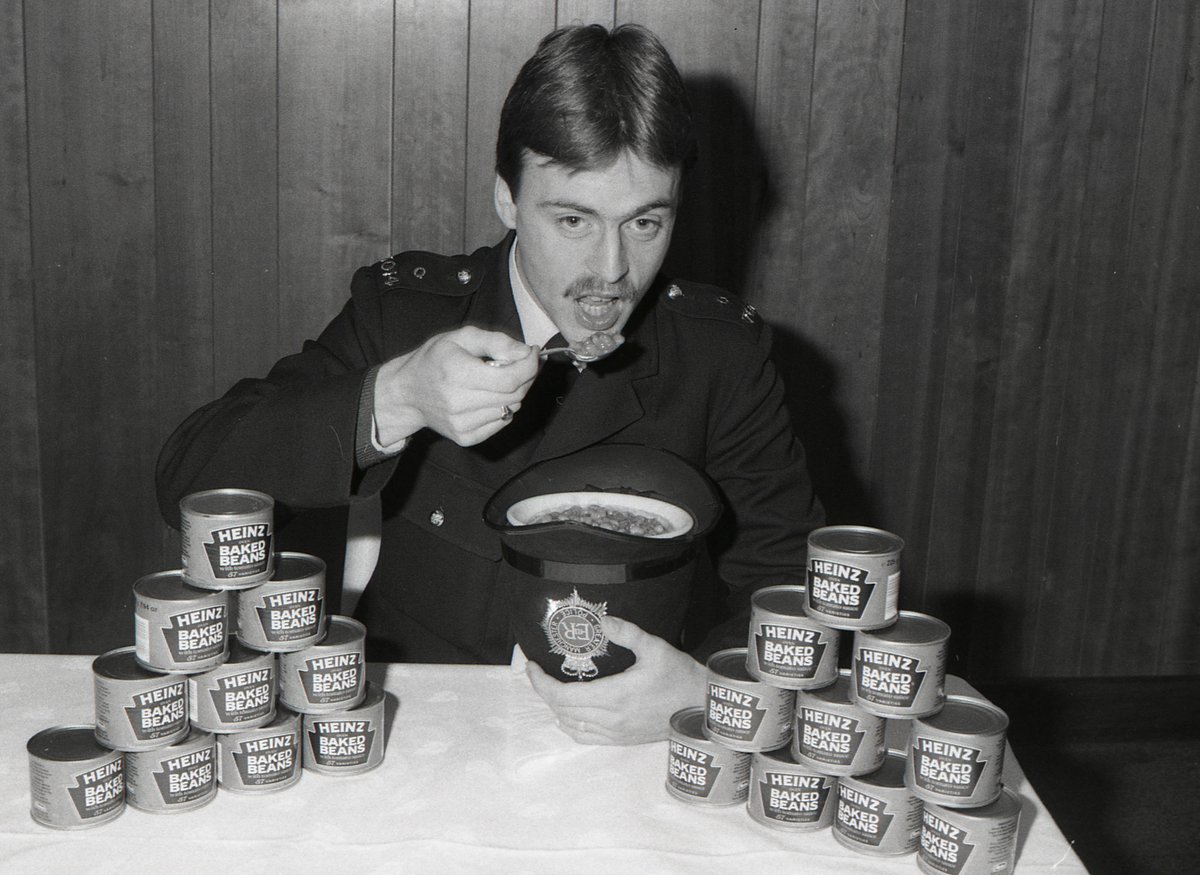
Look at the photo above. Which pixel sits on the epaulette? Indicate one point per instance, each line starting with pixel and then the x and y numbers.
pixel 430 272
pixel 710 302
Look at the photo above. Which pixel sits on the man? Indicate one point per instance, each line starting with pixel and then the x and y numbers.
pixel 421 392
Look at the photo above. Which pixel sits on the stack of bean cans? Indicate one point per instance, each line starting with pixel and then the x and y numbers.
pixel 237 678
pixel 802 742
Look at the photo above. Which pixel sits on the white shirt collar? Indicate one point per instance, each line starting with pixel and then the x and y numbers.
pixel 536 326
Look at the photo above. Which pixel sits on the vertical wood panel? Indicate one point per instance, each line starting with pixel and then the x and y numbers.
pixel 22 571
pixel 335 152
pixel 1096 393
pixel 1035 334
pixel 503 36
pixel 934 114
pixel 183 223
pixel 430 125
pixel 717 55
pixel 856 76
pixel 1162 334
pixel 586 12
pixel 91 135
pixel 975 319
pixel 245 214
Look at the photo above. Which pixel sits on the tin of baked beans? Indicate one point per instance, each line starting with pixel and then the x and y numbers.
pixel 137 708
pixel 227 536
pixel 327 676
pixel 347 742
pixel 703 771
pixel 743 713
pixel 261 760
pixel 180 777
pixel 286 612
pixel 237 694
pixel 876 813
pixel 788 795
pixel 853 576
pixel 955 756
pixel 835 735
pixel 74 781
pixel 971 841
pixel 786 647
pixel 900 671
pixel 178 628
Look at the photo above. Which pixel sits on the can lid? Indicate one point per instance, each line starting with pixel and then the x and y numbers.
pixel 170 586
pixel 342 630
pixel 196 739
pixel 731 664
pixel 67 744
pixel 968 715
pixel 296 566
pixel 240 654
pixel 837 693
pixel 121 665
pixel 890 774
pixel 226 502
pixel 788 600
pixel 862 540
pixel 912 628
pixel 689 722
pixel 782 755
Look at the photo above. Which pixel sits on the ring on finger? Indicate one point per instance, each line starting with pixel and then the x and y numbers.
pixel 506 413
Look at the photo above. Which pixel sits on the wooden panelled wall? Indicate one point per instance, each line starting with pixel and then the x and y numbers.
pixel 973 225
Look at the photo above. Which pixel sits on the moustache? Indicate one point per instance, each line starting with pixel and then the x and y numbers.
pixel 623 289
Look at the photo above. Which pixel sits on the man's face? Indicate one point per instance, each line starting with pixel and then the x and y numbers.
pixel 590 242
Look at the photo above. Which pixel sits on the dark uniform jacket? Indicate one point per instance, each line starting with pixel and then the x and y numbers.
pixel 694 377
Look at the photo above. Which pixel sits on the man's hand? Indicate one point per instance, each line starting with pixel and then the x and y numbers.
pixel 632 707
pixel 458 384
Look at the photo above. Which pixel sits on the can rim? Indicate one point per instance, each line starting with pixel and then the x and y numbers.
pixel 907 628
pixel 193 503
pixel 957 713
pixel 74 743
pixel 827 538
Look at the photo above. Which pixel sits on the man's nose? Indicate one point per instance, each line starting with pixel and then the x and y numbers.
pixel 610 261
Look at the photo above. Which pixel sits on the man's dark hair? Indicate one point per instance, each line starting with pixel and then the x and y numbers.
pixel 587 94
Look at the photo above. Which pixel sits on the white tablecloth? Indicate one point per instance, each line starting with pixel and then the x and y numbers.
pixel 476 779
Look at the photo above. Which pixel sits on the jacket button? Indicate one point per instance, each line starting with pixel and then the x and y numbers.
pixel 674 292
pixel 437 517
pixel 419 272
pixel 464 276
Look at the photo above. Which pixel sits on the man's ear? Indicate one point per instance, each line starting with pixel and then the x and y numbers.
pixel 506 206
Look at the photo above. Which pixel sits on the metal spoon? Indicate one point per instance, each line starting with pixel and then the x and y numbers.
pixel 593 352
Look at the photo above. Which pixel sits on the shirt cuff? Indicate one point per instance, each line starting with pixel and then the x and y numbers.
pixel 368 450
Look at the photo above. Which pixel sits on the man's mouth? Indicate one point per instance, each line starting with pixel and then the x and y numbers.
pixel 597 313
pixel 599 306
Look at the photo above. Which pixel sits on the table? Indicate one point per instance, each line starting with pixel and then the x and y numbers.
pixel 476 779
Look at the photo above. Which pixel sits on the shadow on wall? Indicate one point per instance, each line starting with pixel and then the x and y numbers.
pixel 726 198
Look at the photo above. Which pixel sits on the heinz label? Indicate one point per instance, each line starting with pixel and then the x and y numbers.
pixel 789 651
pixel 197 635
pixel 341 743
pixel 334 678
pixel 158 713
pixel 100 790
pixel 829 738
pixel 187 777
pixel 946 768
pixel 886 678
pixel 734 714
pixel 245 696
pixel 944 846
pixel 692 771
pixel 264 761
pixel 239 551
pixel 861 816
pixel 790 798
pixel 837 589
pixel 291 615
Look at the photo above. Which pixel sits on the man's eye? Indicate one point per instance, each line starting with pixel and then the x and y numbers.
pixel 645 228
pixel 571 223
